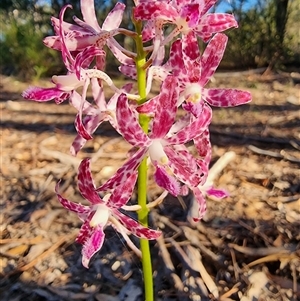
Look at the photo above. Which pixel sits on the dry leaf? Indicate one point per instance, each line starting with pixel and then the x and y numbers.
pixel 17 251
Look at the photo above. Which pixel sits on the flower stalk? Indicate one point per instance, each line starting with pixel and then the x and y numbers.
pixel 143 213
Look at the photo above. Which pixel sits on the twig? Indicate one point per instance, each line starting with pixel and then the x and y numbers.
pixel 282 155
pixel 217 168
pixel 233 290
pixel 288 157
pixel 192 236
pixel 273 257
pixel 198 266
pixel 262 235
pixel 29 241
pixel 169 264
pixel 193 260
pixel 295 145
pixel 64 158
pixel 264 152
pixel 165 220
pixel 237 269
pixel 261 251
pixel 295 284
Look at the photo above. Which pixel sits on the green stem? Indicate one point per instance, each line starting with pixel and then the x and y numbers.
pixel 142 171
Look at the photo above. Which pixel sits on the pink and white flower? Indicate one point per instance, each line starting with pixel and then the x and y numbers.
pixel 193 71
pixel 103 212
pixel 188 17
pixel 95 114
pixel 89 33
pixel 165 143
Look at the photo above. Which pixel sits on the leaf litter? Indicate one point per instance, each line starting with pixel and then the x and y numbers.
pixel 246 248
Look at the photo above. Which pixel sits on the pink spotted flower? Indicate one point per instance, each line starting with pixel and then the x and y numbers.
pixel 66 85
pixel 103 212
pixel 165 144
pixel 87 32
pixel 95 114
pixel 193 72
pixel 188 16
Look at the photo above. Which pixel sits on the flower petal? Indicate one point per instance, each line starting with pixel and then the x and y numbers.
pixel 226 97
pixel 166 108
pixel 190 47
pixel 123 192
pixel 125 171
pixel 155 10
pixel 213 23
pixel 175 62
pixel 191 13
pixel 114 17
pixel 218 193
pixel 80 128
pixel 184 166
pixel 84 58
pixel 85 230
pixel 45 94
pixel 212 57
pixel 128 70
pixel 135 227
pixel 164 180
pixel 201 203
pixel 88 13
pixel 75 207
pixel 129 125
pixel 90 123
pixel 86 184
pixel 92 245
pixel 194 129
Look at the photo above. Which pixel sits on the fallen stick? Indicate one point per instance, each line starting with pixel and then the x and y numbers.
pixel 262 251
pixel 282 155
pixel 169 264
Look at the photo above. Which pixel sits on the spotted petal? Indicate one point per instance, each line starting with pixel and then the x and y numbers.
pixel 155 10
pixel 213 23
pixel 125 171
pixel 92 245
pixel 86 184
pixel 201 203
pixel 75 207
pixel 194 129
pixel 123 192
pixel 166 108
pixel 212 57
pixel 166 181
pixel 129 125
pixel 45 94
pixel 136 228
pixel 226 97
pixel 184 166
pixel 90 123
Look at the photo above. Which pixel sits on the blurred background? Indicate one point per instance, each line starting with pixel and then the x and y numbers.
pixel 268 35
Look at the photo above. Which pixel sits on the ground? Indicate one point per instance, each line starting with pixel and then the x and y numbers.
pixel 246 248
